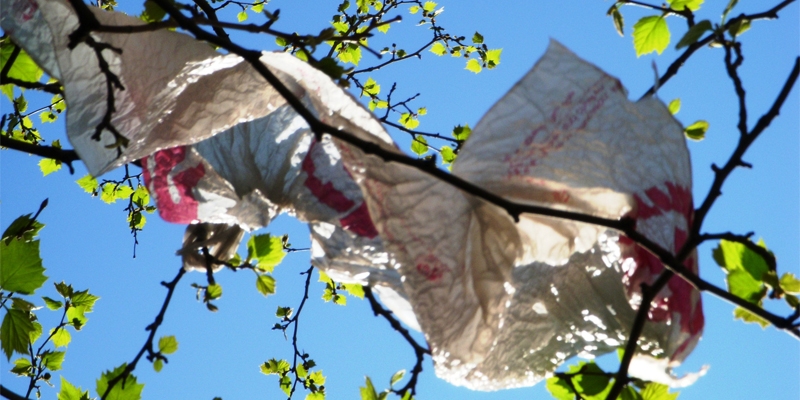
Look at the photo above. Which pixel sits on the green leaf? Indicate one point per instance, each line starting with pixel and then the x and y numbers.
pixel 88 184
pixel 265 284
pixel 438 49
pixel 616 17
pixel 739 27
pixel 23 228
pixel 274 366
pixel 728 8
pixel 461 133
pixel 419 145
pixel 283 312
pixel 52 304
pixel 371 88
pixel 697 130
pixel 397 377
pixel 15 332
pixel 167 344
pixel 679 5
pixel 280 41
pixel 694 33
pixel 789 283
pixel 123 192
pixel 339 300
pixel 158 365
pixel 141 196
pixel 285 384
pixel 448 155
pixel 429 6
pixel 559 388
pixel 84 299
pixel 748 317
pixel 315 396
pixel 49 165
pixel 24 68
pixel 650 34
pixel 589 380
pixel 21 268
pixel 674 106
pixel 242 16
pixel 413 9
pixel 125 389
pixel 477 38
pixel 301 371
pixel 657 391
pixel 258 7
pixel 422 111
pixel 408 121
pixel 493 58
pixel 152 12
pixel 76 317
pixel 47 117
pixel 474 66
pixel 213 292
pixel 22 367
pixel 61 338
pixel 267 250
pixel 354 289
pixel 736 256
pixel 53 360
pixel 70 392
pixel 368 391
pixel 317 377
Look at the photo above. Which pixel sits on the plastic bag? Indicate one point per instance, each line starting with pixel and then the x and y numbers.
pixel 502 304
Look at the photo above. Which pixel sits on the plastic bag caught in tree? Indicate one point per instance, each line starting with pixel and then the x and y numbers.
pixel 502 304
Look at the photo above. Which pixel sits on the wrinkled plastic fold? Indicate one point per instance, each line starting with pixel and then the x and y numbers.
pixel 501 303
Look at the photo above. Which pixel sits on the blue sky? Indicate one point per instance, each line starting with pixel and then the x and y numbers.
pixel 87 243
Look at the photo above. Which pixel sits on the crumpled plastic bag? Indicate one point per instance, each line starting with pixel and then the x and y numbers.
pixel 502 304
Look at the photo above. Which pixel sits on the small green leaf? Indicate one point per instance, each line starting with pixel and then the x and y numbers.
pixel 371 88
pixel 24 68
pixel 76 317
pixel 448 155
pixel 461 133
pixel 23 228
pixel 15 332
pixel 167 344
pixel 408 121
pixel 474 66
pixel 242 16
pixel 84 299
pixel 52 304
pixel 283 312
pixel 419 145
pixel 315 396
pixel 748 317
pixel 789 283
pixel 22 367
pixel 88 183
pixel 679 5
pixel 413 9
pixel 728 9
pixel 158 365
pixel 697 130
pixel 53 360
pixel 285 384
pixel 429 6
pixel 61 338
pixel 47 117
pixel 739 27
pixel 123 192
pixel 368 391
pixel 267 250
pixel 630 393
pixel 70 392
pixel 493 58
pixel 657 391
pixel 141 196
pixel 477 38
pixel 152 12
pixel 265 284
pixel 339 300
pixel 354 289
pixel 559 389
pixel 317 377
pixel 616 17
pixel 21 268
pixel 274 366
pixel 650 34
pixel 49 165
pixel 674 106
pixel 125 389
pixel 694 33
pixel 213 291
pixel 397 377
pixel 258 7
pixel 438 49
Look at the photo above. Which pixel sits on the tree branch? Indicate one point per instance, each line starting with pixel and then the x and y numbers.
pixel 5 392
pixel 65 156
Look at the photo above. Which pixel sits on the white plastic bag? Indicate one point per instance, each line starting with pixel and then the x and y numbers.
pixel 502 304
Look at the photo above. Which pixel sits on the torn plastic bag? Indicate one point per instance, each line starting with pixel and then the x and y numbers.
pixel 501 304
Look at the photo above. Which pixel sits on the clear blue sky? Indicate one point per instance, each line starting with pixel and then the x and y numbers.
pixel 87 243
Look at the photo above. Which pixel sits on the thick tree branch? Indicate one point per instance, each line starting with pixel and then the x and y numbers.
pixel 5 392
pixel 65 156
